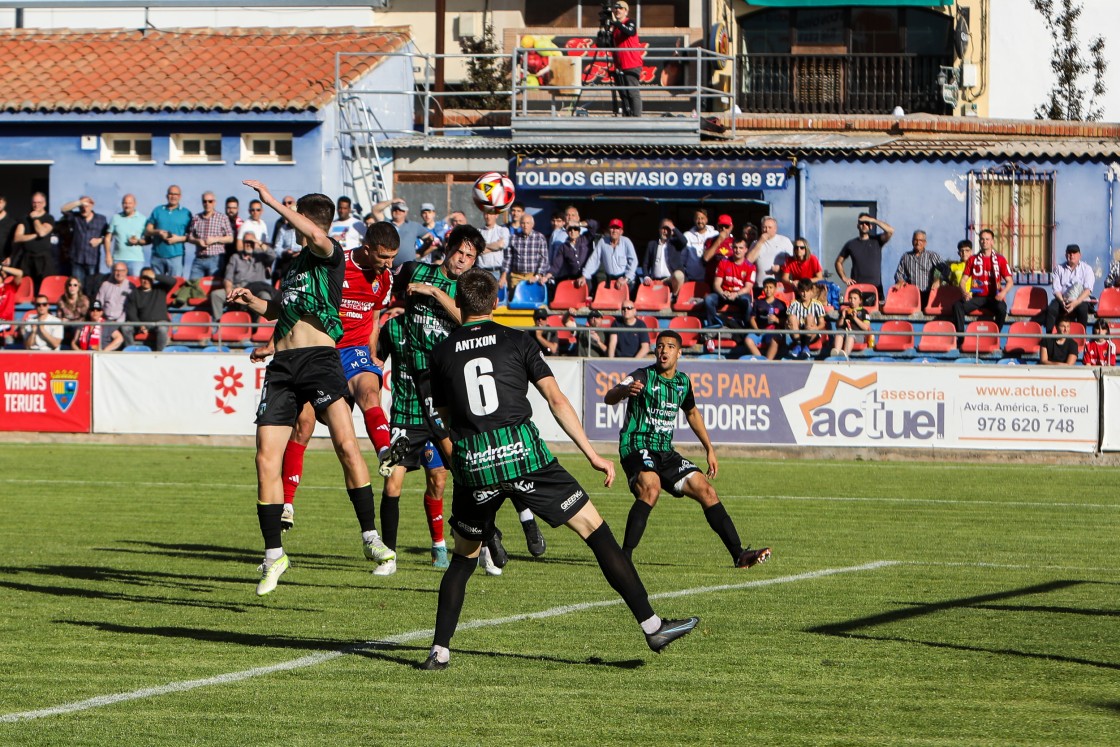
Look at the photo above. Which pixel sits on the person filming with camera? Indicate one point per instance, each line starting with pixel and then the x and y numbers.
pixel 627 57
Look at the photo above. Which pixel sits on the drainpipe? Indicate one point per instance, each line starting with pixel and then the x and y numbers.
pixel 801 174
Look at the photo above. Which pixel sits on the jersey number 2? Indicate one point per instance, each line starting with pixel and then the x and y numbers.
pixel 482 390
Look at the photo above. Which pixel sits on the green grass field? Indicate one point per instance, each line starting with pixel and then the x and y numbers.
pixel 906 603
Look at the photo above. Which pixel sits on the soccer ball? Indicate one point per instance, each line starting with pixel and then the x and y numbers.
pixel 493 192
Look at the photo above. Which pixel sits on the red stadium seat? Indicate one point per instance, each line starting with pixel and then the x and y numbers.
pixel 206 284
pixel 568 296
pixel 610 299
pixel 1029 300
pixel 941 301
pixel 982 345
pixel 863 288
pixel 192 334
pixel 53 286
pixel 681 323
pixel 691 294
pixel 234 327
pixel 134 280
pixel 940 343
pixel 1109 304
pixel 1023 338
pixel 1077 328
pixel 654 327
pixel 562 335
pixel 895 343
pixel 903 301
pixel 25 293
pixel 656 297
pixel 262 333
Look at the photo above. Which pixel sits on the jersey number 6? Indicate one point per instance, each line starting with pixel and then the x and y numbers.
pixel 482 391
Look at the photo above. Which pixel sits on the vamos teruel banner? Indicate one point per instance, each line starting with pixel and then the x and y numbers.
pixel 45 392
pixel 896 405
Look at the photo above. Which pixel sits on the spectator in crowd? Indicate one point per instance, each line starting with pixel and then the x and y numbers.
pixel 691 265
pixel 284 241
pixel 1101 350
pixel 1113 278
pixel 853 318
pixel 627 59
pixel 7 228
pixel 516 210
pixel 347 230
pixel 45 331
pixel 73 306
pixel 592 341
pixel 548 341
pixel 369 219
pixel 919 267
pixel 526 258
pixel 663 255
pixel 255 225
pixel 806 318
pixel 733 286
pixel 114 292
pixel 1060 350
pixel 750 233
pixel 770 251
pixel 430 249
pixel 209 231
pixel 167 229
pixel 571 258
pixel 990 281
pixel 87 234
pixel 613 260
pixel 248 268
pixel 497 241
pixel 97 335
pixel 1073 286
pixel 866 253
pixel 769 313
pixel 410 232
pixel 124 241
pixel 718 248
pixel 437 228
pixel 955 272
pixel 233 208
pixel 10 278
pixel 803 265
pixel 34 241
pixel 146 307
pixel 628 344
pixel 558 234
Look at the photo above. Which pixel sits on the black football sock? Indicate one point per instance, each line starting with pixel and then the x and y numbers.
pixel 268 516
pixel 362 498
pixel 452 592
pixel 620 572
pixel 722 525
pixel 390 519
pixel 635 526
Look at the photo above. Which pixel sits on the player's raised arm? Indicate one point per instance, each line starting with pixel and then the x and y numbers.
pixel 268 309
pixel 446 301
pixel 628 387
pixel 317 239
pixel 566 416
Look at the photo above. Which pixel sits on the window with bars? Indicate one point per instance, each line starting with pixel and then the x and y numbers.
pixel 1018 206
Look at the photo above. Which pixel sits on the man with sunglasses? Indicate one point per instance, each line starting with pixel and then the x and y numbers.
pixel 628 344
pixel 210 231
pixel 866 253
pixel 167 230
pixel 46 331
pixel 254 225
pixel 284 241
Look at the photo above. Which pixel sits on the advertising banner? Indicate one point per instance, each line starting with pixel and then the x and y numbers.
pixel 569 377
pixel 894 405
pixel 45 392
pixel 650 175
pixel 1110 391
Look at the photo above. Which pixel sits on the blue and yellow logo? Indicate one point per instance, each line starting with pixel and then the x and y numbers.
pixel 64 388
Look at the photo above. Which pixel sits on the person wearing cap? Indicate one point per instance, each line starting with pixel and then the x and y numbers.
pixel 437 228
pixel 410 232
pixel 593 341
pixel 613 260
pixel 147 305
pixel 547 341
pixel 718 248
pixel 1072 286
pixel 771 251
pixel 663 256
pixel 627 58
pixel 97 335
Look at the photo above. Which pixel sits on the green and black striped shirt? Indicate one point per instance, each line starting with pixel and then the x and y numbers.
pixel 406 409
pixel 312 287
pixel 426 321
pixel 652 415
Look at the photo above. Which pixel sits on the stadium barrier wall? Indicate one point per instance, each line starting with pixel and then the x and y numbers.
pixel 1110 410
pixel 858 405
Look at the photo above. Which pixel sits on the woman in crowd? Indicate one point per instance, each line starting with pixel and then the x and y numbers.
pixel 72 307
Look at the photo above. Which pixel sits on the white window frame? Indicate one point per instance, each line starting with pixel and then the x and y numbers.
pixel 249 138
pixel 109 139
pixel 178 156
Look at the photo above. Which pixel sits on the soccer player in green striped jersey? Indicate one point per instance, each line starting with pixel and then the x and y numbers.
pixel 654 396
pixel 485 370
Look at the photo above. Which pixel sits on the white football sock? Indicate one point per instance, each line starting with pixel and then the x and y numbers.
pixel 273 553
pixel 525 516
pixel 651 625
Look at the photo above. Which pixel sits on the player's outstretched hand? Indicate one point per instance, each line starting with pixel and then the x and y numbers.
pixel 605 466
pixel 259 186
pixel 240 295
pixel 635 388
pixel 713 464
pixel 259 354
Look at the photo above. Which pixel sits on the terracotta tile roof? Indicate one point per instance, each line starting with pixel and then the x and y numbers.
pixel 215 70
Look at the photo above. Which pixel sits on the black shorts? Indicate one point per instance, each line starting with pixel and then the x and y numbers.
pixel 296 377
pixel 550 493
pixel 670 467
pixel 424 394
pixel 421 451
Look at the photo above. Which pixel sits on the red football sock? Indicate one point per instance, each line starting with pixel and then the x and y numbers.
pixel 433 507
pixel 292 469
pixel 378 428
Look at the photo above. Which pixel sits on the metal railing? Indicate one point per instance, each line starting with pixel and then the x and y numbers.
pixel 840 83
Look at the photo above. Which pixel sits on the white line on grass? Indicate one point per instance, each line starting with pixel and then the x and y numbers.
pixel 315 659
pixel 841 499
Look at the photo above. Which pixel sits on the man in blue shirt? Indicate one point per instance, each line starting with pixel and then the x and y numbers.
pixel 167 229
pixel 87 234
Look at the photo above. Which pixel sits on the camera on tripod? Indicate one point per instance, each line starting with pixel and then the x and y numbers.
pixel 606 17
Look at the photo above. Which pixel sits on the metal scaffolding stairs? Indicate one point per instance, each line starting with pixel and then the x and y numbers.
pixel 362 172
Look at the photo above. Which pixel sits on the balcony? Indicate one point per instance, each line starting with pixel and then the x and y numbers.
pixel 841 83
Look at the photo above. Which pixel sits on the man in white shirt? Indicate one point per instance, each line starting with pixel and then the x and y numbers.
pixel 692 257
pixel 1072 286
pixel 254 225
pixel 497 240
pixel 347 230
pixel 47 334
pixel 770 252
